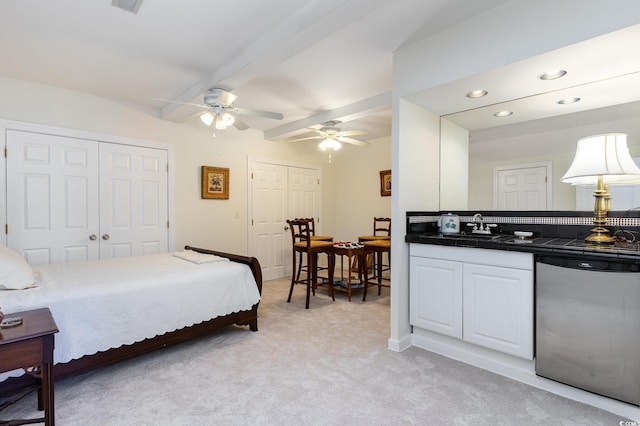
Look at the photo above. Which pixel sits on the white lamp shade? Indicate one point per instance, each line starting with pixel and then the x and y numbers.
pixel 224 120
pixel 602 155
pixel 207 118
pixel 330 144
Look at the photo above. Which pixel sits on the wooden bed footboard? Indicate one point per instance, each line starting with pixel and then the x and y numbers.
pixel 249 317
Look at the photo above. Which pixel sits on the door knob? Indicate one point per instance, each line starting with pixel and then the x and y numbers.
pixel 105 237
pixel 93 237
pixel 286 228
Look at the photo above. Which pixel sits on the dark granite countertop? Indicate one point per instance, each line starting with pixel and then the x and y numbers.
pixel 622 251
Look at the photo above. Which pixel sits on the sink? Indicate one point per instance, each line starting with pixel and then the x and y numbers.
pixel 490 237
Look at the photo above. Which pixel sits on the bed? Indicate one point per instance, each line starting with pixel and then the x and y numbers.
pixel 112 309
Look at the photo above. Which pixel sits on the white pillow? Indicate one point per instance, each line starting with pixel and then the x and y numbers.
pixel 15 272
pixel 198 258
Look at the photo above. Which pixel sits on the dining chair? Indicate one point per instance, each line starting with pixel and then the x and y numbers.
pixel 381 231
pixel 314 237
pixel 303 245
pixel 376 249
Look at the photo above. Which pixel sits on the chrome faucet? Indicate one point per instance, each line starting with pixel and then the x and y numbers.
pixel 479 227
pixel 477 221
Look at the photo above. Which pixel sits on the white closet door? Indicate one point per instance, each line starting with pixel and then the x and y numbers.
pixel 304 194
pixel 271 241
pixel 133 200
pixel 52 193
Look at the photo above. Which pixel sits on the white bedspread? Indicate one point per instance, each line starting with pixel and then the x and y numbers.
pixel 103 304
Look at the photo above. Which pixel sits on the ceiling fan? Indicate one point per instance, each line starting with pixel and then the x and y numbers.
pixel 218 104
pixel 332 136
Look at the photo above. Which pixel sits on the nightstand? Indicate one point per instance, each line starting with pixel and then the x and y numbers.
pixel 30 346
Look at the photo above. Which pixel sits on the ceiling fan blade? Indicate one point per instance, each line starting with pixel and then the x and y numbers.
pixel 353 141
pixel 239 124
pixel 259 113
pixel 354 133
pixel 304 139
pixel 182 103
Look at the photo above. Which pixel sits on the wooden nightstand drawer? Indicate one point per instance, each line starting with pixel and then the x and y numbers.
pixel 28 353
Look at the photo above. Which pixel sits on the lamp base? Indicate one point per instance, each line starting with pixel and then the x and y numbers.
pixel 600 236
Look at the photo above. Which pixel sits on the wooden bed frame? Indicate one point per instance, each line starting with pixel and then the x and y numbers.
pixel 110 356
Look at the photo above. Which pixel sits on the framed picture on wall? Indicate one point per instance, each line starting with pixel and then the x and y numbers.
pixel 215 182
pixel 385 183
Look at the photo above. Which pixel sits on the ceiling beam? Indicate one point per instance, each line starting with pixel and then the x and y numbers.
pixel 309 25
pixel 345 113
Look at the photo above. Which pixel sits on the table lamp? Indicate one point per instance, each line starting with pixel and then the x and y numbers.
pixel 602 160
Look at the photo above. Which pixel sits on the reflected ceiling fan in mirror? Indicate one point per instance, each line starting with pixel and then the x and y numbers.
pixel 220 110
pixel 332 137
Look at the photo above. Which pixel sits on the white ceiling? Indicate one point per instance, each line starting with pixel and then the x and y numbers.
pixel 310 60
pixel 313 61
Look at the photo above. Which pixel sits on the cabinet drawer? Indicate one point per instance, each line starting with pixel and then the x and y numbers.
pixel 27 353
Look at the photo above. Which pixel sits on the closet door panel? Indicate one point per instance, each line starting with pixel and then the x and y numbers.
pixel 52 193
pixel 133 200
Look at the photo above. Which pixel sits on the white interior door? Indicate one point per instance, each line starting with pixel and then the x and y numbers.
pixel 279 192
pixel 52 186
pixel 524 187
pixel 303 193
pixel 133 201
pixel 270 240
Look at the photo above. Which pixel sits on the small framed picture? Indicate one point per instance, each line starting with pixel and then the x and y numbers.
pixel 385 183
pixel 215 182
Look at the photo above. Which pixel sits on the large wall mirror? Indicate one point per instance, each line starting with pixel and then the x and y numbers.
pixel 603 75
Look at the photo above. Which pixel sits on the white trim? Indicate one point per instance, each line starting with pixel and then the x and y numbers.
pixel 549 184
pixel 399 345
pixel 81 134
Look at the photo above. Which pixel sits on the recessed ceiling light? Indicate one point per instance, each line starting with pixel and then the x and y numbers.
pixel 503 113
pixel 477 93
pixel 552 75
pixel 568 101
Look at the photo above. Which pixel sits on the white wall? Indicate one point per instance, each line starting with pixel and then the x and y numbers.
pixel 217 224
pixel 356 173
pixel 416 167
pixel 454 166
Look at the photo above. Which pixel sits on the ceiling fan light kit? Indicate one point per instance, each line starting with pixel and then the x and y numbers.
pixel 220 110
pixel 330 144
pixel 332 137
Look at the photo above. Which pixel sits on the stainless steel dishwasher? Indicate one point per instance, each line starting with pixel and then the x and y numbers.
pixel 588 324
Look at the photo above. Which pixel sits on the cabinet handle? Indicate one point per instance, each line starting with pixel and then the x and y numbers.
pixel 93 237
pixel 105 237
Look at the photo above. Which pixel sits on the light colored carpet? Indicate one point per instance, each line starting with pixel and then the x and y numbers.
pixel 328 365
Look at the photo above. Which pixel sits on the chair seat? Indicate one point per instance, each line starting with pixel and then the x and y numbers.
pixel 378 245
pixel 373 237
pixel 321 238
pixel 313 245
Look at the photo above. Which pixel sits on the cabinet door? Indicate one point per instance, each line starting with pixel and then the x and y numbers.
pixel 436 295
pixel 52 197
pixel 498 309
pixel 133 201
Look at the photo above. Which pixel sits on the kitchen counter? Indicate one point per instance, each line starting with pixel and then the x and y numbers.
pixel 622 251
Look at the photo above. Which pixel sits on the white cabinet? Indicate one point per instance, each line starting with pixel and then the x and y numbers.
pixel 484 297
pixel 498 308
pixel 436 295
pixel 72 199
